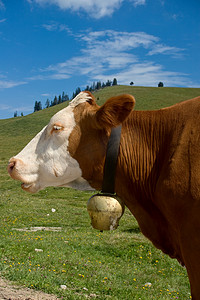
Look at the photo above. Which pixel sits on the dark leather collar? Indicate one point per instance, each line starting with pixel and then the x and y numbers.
pixel 108 186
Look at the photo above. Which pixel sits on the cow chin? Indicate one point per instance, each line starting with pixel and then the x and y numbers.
pixel 30 187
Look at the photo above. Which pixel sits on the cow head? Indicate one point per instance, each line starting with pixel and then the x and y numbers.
pixel 70 150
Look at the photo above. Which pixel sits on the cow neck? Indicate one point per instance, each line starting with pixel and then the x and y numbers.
pixel 112 151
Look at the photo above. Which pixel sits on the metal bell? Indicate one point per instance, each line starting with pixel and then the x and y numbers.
pixel 105 211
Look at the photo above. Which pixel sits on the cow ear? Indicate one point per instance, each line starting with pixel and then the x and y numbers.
pixel 115 110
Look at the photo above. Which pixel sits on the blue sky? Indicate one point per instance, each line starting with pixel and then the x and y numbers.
pixel 51 46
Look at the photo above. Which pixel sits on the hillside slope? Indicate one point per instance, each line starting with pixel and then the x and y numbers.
pixel 16 132
pixel 149 98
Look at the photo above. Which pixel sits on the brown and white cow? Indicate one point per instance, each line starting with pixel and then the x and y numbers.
pixel 158 171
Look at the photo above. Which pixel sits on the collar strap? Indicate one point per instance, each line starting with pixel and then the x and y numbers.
pixel 112 151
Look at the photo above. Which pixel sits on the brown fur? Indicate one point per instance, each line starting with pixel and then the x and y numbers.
pixel 158 172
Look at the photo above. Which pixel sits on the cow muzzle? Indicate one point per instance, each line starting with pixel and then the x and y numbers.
pixel 14 166
pixel 17 170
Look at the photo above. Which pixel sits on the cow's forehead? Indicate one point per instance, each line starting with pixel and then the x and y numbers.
pixel 67 113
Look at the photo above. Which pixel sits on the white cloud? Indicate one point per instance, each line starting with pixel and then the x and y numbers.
pixel 2 20
pixel 6 84
pixel 112 41
pixel 50 27
pixel 94 8
pixel 46 95
pixel 163 49
pixel 56 27
pixel 103 51
pixel 108 54
pixel 138 2
pixel 149 74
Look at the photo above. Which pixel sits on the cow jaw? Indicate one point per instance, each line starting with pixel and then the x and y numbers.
pixel 71 178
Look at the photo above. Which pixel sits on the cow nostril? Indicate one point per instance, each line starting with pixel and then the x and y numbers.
pixel 11 166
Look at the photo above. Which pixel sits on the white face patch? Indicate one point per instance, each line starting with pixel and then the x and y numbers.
pixel 46 161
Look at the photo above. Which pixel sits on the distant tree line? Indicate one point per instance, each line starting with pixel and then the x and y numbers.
pixel 38 106
pixel 60 99
pixel 16 114
pixel 57 100
pixel 48 103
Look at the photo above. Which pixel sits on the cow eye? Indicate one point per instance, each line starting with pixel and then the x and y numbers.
pixel 57 127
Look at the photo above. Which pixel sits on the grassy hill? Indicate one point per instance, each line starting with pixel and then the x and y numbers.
pixel 147 98
pixel 109 265
pixel 16 132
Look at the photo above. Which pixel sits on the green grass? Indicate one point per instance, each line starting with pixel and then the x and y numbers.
pixel 110 265
pixel 150 98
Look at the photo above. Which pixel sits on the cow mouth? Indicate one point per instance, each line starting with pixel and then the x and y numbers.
pixel 28 187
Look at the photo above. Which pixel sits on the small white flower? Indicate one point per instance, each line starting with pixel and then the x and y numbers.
pixel 38 250
pixel 63 286
pixel 53 209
